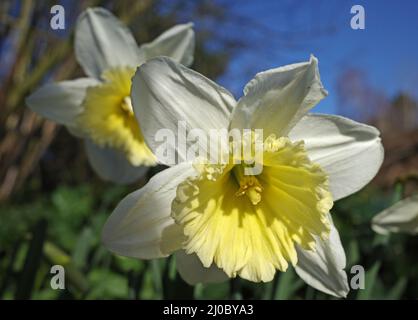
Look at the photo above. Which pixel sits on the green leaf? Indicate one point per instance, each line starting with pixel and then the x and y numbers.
pixel 82 247
pixel 397 290
pixel 32 262
pixel 127 265
pixel 106 284
pixel 156 268
pixel 398 193
pixel 353 253
pixel 215 291
pixel 288 284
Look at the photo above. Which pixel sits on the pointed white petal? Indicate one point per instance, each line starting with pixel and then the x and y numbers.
pixel 102 41
pixel 112 165
pixel 351 153
pixel 165 92
pixel 141 225
pixel 275 100
pixel 62 101
pixel 324 268
pixel 192 271
pixel 401 217
pixel 177 43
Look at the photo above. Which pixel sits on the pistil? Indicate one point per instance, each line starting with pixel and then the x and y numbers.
pixel 248 185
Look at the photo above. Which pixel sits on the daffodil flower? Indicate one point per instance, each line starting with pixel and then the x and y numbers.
pixel 98 108
pixel 401 217
pixel 220 223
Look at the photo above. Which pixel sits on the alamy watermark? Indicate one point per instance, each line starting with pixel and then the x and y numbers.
pixel 358 20
pixel 57 21
pixel 218 146
pixel 357 280
pixel 58 278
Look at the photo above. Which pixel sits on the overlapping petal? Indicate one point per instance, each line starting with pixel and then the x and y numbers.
pixel 112 165
pixel 165 92
pixel 102 42
pixel 61 101
pixel 177 43
pixel 141 225
pixel 275 100
pixel 192 271
pixel 351 153
pixel 323 268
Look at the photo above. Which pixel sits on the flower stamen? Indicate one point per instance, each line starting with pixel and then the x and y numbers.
pixel 248 185
pixel 108 118
pixel 126 106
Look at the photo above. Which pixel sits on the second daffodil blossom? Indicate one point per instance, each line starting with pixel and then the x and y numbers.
pixel 98 108
pixel 217 221
pixel 401 217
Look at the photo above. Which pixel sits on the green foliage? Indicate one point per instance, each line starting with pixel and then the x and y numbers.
pixel 387 260
pixel 64 227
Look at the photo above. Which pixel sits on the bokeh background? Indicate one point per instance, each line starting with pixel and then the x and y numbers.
pixel 52 206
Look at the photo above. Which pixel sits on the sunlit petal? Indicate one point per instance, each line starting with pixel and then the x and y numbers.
pixel 323 268
pixel 102 42
pixel 177 43
pixel 351 153
pixel 275 100
pixel 165 92
pixel 141 225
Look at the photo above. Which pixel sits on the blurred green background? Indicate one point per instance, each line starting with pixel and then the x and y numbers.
pixel 52 206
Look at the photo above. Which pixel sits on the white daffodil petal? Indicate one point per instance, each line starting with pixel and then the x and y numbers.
pixel 112 165
pixel 192 271
pixel 351 153
pixel 177 43
pixel 275 100
pixel 76 132
pixel 165 92
pixel 61 101
pixel 141 225
pixel 401 217
pixel 102 41
pixel 324 268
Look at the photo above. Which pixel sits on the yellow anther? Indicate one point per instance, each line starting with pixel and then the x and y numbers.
pixel 126 105
pixel 251 187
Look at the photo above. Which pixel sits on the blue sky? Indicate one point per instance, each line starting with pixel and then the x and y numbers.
pixel 279 32
pixel 386 51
